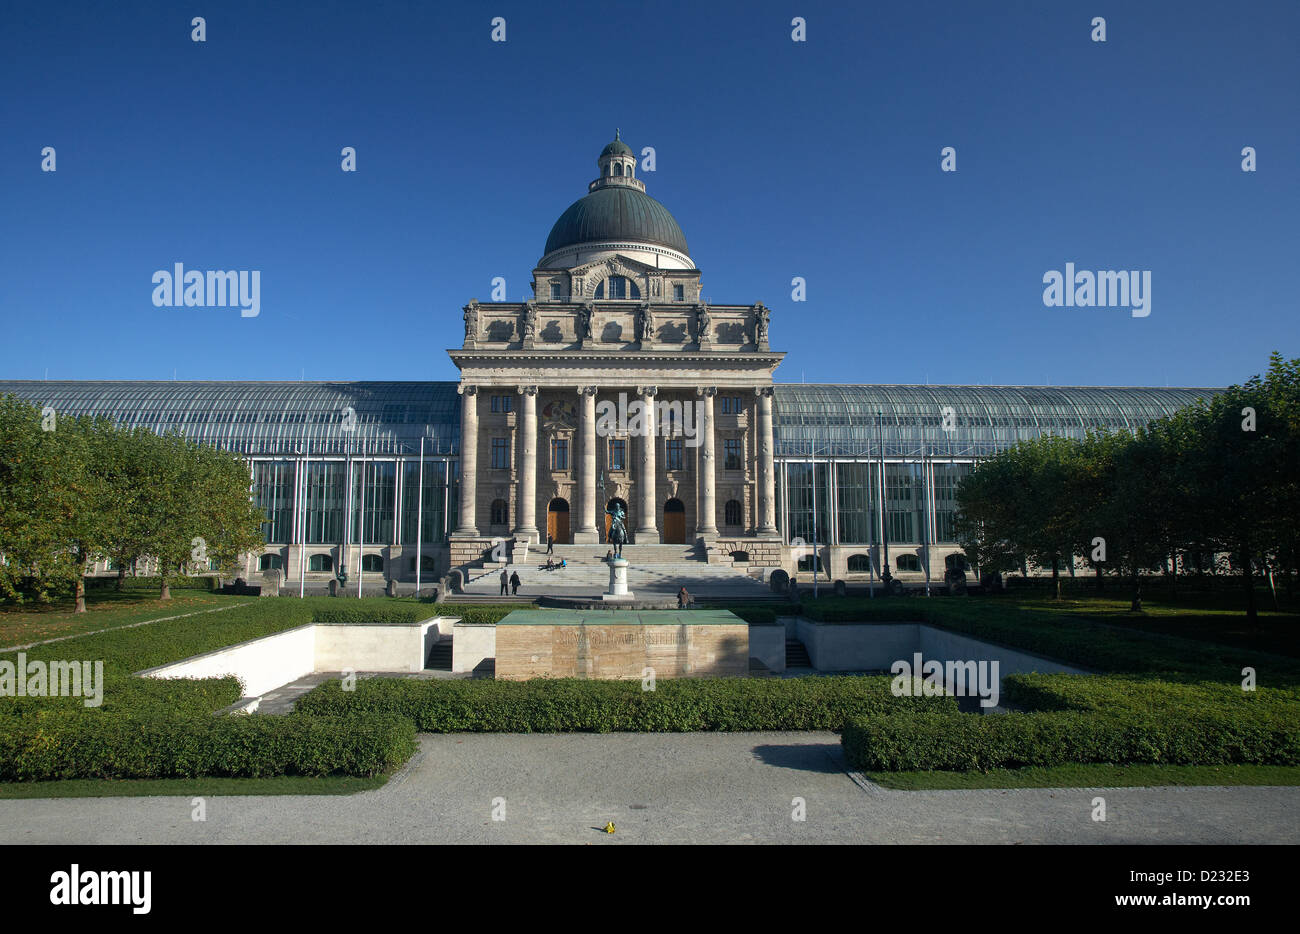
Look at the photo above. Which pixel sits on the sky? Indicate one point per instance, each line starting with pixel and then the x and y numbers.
pixel 818 159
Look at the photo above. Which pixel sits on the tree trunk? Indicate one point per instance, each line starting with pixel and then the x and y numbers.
pixel 1056 575
pixel 166 588
pixel 79 588
pixel 1100 580
pixel 1136 606
pixel 121 575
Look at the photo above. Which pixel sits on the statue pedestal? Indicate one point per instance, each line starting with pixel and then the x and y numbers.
pixel 617 581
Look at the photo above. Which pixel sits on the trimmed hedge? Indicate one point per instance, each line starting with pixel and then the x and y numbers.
pixel 478 613
pixel 573 705
pixel 129 583
pixel 60 745
pixel 913 741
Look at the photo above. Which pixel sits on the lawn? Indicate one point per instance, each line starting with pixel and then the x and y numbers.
pixel 105 609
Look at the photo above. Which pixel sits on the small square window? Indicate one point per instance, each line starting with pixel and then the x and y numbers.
pixel 679 293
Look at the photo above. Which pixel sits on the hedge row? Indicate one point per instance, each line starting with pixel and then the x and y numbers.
pixel 574 705
pixel 915 741
pixel 477 613
pixel 59 745
pixel 130 583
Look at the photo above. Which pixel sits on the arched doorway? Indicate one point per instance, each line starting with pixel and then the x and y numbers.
pixel 627 515
pixel 557 521
pixel 674 522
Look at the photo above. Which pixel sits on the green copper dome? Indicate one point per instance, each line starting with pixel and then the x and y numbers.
pixel 618 147
pixel 616 213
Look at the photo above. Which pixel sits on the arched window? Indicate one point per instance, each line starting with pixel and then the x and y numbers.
pixel 269 563
pixel 618 287
pixel 319 563
pixel 810 563
pixel 372 563
pixel 909 563
pixel 731 512
pixel 618 168
pixel 859 564
pixel 500 512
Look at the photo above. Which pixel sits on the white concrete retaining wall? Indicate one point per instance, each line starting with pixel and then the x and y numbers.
pixel 371 647
pixel 471 645
pixel 267 663
pixel 767 644
pixel 876 646
pixel 260 664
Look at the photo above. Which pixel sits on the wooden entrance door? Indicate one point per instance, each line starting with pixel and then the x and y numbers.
pixel 557 521
pixel 674 522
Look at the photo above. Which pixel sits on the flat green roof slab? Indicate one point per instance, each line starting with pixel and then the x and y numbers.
pixel 620 618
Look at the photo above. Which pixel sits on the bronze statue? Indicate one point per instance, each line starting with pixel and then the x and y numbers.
pixel 617 529
pixel 530 321
pixel 647 324
pixel 583 328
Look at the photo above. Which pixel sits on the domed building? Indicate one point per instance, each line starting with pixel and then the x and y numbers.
pixel 615 388
pixel 617 325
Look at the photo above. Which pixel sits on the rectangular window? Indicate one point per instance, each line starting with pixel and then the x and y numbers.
pixel 557 291
pixel 559 453
pixel 731 454
pixel 856 502
pixel 617 454
pixel 502 403
pixel 433 526
pixel 500 453
pixel 673 450
pixel 679 293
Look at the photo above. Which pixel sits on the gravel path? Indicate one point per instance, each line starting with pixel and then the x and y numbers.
pixel 662 788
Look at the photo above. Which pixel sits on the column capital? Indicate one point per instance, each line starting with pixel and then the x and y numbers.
pixel 588 390
pixel 707 391
pixel 765 391
pixel 647 390
pixel 467 389
pixel 527 390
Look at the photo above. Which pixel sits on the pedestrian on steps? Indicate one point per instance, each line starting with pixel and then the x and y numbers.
pixel 505 581
pixel 550 544
pixel 514 583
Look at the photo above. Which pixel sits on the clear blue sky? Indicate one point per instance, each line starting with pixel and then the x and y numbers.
pixel 779 159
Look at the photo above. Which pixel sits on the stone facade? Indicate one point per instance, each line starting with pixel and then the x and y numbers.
pixel 617 385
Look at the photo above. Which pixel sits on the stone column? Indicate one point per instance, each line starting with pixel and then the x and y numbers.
pixel 766 468
pixel 707 523
pixel 647 533
pixel 468 460
pixel 526 509
pixel 587 533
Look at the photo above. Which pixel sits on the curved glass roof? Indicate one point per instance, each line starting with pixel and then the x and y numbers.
pixel 270 417
pixel 824 420
pixel 819 420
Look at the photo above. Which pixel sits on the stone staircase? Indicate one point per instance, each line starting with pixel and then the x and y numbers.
pixel 656 570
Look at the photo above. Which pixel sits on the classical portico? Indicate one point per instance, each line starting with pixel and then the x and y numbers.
pixel 616 383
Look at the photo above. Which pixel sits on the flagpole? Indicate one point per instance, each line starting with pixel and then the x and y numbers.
pixel 419 522
pixel 302 540
pixel 361 521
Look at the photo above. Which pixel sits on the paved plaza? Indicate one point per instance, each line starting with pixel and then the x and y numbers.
pixel 661 788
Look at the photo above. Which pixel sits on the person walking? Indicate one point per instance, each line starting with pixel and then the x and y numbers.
pixel 550 544
pixel 683 599
pixel 505 581
pixel 514 583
